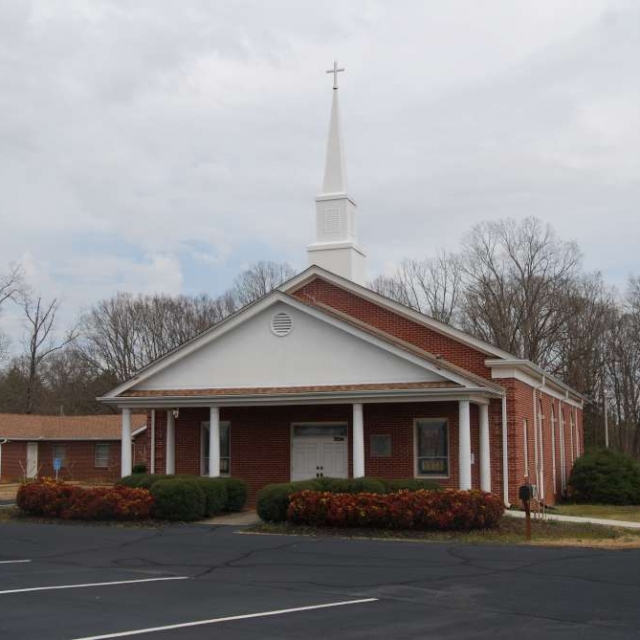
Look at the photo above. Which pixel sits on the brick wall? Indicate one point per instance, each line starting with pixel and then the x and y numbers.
pixel 520 407
pixel 319 290
pixel 79 461
pixel 260 439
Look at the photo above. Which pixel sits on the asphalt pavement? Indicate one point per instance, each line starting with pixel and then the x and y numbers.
pixel 194 582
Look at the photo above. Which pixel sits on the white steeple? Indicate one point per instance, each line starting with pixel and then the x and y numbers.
pixel 335 246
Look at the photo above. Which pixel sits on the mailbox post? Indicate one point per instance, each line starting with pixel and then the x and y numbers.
pixel 524 494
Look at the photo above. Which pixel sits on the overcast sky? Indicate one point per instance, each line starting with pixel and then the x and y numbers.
pixel 164 146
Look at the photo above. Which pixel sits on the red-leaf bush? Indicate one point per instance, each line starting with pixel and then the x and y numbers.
pixel 55 499
pixel 422 510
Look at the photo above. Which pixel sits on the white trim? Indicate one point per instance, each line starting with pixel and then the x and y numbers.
pixel 416 467
pixel 135 433
pixel 525 428
pixel 271 299
pixel 554 473
pixel 505 453
pixel 532 375
pixel 332 397
pixel 563 451
pixel 152 443
pixel 314 271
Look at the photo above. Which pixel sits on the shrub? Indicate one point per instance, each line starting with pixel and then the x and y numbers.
pixel 236 489
pixel 354 485
pixel 273 500
pixel 44 497
pixel 410 484
pixel 236 494
pixel 139 468
pixel 605 477
pixel 215 492
pixel 424 510
pixel 52 498
pixel 147 480
pixel 178 499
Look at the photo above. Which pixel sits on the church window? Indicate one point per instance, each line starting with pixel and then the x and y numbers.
pixel 432 447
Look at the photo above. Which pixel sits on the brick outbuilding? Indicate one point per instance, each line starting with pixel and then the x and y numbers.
pixel 88 447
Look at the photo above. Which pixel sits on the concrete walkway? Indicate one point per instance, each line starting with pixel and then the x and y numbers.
pixel 580 520
pixel 234 519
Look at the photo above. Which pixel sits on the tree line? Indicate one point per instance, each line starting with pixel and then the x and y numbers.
pixel 516 285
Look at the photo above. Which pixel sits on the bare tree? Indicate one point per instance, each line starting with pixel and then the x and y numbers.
pixel 516 275
pixel 431 286
pixel 11 287
pixel 41 340
pixel 260 279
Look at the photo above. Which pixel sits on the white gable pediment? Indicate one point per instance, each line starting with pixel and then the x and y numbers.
pixel 316 351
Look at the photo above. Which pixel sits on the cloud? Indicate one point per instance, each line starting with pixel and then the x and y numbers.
pixel 161 146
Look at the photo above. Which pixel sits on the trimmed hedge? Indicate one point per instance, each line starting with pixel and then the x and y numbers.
pixel 215 493
pixel 423 510
pixel 56 499
pixel 235 490
pixel 410 484
pixel 605 477
pixel 273 500
pixel 179 499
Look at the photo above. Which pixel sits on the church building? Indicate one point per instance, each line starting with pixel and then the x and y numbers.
pixel 325 377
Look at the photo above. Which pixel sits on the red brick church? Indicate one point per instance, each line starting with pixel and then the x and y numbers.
pixel 324 377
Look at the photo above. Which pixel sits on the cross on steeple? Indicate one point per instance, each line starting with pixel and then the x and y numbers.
pixel 335 72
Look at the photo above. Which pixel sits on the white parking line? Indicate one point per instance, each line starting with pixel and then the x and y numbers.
pixel 90 584
pixel 13 561
pixel 263 614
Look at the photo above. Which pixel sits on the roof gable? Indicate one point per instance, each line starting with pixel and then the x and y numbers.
pixel 243 352
pixel 315 352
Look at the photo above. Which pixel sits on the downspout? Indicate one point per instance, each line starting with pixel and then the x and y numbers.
pixel 152 464
pixel 505 455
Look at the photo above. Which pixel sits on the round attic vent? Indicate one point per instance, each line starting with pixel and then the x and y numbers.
pixel 281 324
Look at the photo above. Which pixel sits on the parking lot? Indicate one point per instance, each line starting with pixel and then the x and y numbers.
pixel 200 581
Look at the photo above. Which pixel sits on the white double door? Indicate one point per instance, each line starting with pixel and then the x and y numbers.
pixel 318 457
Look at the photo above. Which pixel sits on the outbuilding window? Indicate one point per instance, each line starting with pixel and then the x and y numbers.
pixel 60 452
pixel 102 455
pixel 432 446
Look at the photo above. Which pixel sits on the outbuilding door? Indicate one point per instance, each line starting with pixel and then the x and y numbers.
pixel 319 450
pixel 32 459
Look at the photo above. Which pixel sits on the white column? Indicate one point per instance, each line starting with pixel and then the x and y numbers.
pixel 125 455
pixel 170 445
pixel 464 445
pixel 214 442
pixel 358 441
pixel 485 452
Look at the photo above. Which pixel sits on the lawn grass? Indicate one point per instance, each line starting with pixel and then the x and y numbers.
pixel 510 531
pixel 606 511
